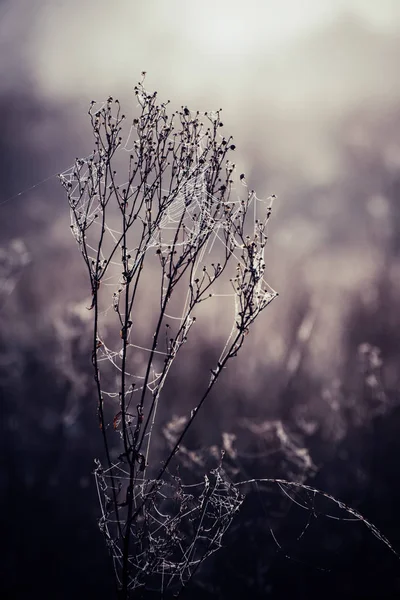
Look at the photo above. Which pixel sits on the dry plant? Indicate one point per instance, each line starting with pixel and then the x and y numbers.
pixel 157 245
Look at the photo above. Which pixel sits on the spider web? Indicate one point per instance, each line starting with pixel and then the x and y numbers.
pixel 189 206
pixel 177 528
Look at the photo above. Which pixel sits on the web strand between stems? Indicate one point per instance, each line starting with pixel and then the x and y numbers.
pixel 174 220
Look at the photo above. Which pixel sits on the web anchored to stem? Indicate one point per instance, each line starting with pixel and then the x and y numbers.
pixel 171 225
pixel 158 243
pixel 177 527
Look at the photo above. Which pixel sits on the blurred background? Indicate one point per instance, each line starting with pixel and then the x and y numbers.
pixel 311 93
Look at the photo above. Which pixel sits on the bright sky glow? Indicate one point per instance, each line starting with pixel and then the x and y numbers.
pixel 74 51
pixel 233 28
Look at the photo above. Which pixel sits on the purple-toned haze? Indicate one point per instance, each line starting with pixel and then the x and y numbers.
pixel 311 93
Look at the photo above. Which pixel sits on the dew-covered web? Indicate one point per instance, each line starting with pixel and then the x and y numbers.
pixel 317 505
pixel 188 227
pixel 192 209
pixel 186 220
pixel 177 528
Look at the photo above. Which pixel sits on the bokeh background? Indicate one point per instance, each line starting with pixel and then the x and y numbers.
pixel 311 93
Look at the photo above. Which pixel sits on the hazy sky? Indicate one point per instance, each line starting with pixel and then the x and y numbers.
pixel 281 70
pixel 76 48
pixel 287 74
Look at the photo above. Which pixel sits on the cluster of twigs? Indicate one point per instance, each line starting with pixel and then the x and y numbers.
pixel 174 211
pixel 160 230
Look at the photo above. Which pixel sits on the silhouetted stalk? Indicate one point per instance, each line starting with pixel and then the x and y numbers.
pixel 175 206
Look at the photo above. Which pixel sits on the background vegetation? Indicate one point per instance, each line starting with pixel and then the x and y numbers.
pixel 316 120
